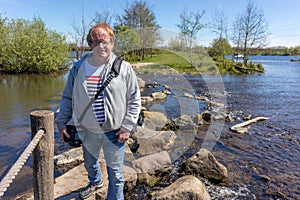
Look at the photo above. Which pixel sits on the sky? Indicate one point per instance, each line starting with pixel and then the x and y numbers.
pixel 282 16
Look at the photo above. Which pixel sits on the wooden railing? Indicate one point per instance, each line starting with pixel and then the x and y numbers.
pixel 42 149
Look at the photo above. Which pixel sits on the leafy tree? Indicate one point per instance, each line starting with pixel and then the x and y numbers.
pixel 190 25
pixel 126 41
pixel 219 26
pixel 295 50
pixel 220 47
pixel 28 47
pixel 250 30
pixel 4 47
pixel 140 17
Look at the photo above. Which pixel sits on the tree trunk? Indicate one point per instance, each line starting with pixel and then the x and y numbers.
pixel 240 128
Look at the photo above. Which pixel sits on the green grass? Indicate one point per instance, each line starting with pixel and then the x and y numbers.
pixel 177 61
pixel 167 61
pixel 165 57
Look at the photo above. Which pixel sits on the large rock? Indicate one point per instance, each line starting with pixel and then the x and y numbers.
pixel 204 163
pixel 141 82
pixel 147 123
pixel 128 155
pixel 187 187
pixel 72 157
pixel 157 120
pixel 184 122
pixel 146 99
pixel 150 141
pixel 152 162
pixel 130 178
pixel 151 169
pixel 198 120
pixel 159 95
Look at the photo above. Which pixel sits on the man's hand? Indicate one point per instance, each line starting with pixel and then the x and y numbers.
pixel 63 134
pixel 123 135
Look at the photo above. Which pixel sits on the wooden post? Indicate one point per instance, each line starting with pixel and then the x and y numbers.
pixel 43 164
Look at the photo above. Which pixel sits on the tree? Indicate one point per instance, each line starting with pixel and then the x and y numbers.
pixel 219 26
pixel 4 33
pixel 28 47
pixel 80 33
pixel 189 26
pixel 237 31
pixel 220 47
pixel 103 16
pixel 126 41
pixel 140 17
pixel 176 44
pixel 250 30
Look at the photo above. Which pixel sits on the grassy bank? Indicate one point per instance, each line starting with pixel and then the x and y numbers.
pixel 164 61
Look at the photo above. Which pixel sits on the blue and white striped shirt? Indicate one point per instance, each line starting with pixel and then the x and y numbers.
pixel 94 78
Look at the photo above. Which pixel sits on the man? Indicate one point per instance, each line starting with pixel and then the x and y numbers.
pixel 108 122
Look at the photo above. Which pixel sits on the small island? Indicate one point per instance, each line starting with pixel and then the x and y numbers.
pixel 201 64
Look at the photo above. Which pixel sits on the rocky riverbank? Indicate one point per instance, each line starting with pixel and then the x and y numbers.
pixel 149 165
pixel 158 162
pixel 163 159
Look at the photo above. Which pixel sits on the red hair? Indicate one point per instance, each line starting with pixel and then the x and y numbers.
pixel 102 25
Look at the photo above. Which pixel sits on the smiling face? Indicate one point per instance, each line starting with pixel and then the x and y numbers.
pixel 102 42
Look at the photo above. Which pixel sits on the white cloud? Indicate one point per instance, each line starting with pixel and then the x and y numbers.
pixel 290 40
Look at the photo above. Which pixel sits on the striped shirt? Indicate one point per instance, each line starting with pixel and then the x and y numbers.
pixel 94 78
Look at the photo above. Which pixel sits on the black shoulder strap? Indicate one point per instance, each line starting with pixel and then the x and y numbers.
pixel 114 72
pixel 116 66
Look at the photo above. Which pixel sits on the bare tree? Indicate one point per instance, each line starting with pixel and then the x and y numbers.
pixel 104 16
pixel 176 44
pixel 189 26
pixel 251 29
pixel 237 31
pixel 80 30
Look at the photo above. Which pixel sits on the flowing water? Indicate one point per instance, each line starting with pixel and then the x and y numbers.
pixel 267 159
pixel 262 164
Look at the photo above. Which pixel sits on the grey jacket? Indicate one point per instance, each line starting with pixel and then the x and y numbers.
pixel 122 100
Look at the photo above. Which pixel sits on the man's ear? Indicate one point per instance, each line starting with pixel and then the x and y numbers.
pixel 112 44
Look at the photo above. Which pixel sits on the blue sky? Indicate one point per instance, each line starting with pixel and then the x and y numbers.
pixel 283 16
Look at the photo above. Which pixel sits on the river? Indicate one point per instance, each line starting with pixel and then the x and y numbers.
pixel 271 148
pixel 265 161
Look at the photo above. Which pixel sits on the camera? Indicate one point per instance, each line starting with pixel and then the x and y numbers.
pixel 74 139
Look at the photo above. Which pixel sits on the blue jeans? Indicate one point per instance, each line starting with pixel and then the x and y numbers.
pixel 114 158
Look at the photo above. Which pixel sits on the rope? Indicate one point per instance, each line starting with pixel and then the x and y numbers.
pixel 13 172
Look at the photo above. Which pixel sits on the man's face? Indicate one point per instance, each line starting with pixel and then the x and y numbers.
pixel 102 43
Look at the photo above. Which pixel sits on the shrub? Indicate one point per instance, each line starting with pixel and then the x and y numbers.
pixel 28 47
